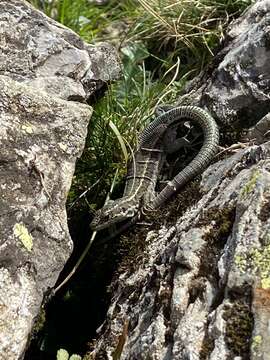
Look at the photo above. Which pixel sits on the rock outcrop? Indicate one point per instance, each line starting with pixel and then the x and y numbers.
pixel 201 290
pixel 47 73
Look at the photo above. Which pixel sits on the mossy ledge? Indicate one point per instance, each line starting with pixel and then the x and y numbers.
pixel 239 325
pixel 132 245
pixel 221 221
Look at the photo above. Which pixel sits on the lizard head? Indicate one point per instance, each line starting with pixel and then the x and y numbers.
pixel 113 213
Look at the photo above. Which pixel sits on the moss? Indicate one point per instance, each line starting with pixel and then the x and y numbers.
pixel 265 239
pixel 39 323
pixel 184 200
pixel 239 325
pixel 207 346
pixel 265 211
pixel 256 261
pixel 247 189
pixel 222 220
pixel 175 207
pixel 131 250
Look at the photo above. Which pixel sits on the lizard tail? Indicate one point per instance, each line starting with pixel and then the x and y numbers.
pixel 203 158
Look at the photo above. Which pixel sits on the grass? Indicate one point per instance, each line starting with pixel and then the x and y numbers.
pixel 170 29
pixel 162 44
pixel 188 29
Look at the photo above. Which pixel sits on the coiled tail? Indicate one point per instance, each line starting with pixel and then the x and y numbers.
pixel 202 159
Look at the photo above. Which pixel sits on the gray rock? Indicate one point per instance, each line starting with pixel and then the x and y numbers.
pixel 236 86
pixel 42 66
pixel 202 288
pixel 239 87
pixel 47 55
pixel 260 132
pixel 193 288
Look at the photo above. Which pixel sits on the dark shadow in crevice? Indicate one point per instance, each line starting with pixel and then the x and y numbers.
pixel 80 307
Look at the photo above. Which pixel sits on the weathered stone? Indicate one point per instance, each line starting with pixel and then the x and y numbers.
pixel 239 88
pixel 42 66
pixel 47 55
pixel 260 132
pixel 201 290
pixel 236 88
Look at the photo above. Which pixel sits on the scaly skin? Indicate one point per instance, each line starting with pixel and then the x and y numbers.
pixel 139 196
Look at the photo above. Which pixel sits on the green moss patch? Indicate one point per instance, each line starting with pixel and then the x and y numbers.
pixel 222 220
pixel 250 185
pixel 207 346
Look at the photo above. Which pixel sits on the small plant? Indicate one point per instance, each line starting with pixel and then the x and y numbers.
pixel 62 354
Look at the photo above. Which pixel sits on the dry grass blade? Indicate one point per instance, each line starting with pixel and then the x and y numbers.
pixel 155 14
pixel 76 266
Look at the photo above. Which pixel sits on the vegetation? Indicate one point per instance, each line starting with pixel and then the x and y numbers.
pixel 162 44
pixel 62 354
pixel 239 325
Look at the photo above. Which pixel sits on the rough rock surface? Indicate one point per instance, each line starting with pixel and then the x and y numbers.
pixel 202 288
pixel 236 88
pixel 44 68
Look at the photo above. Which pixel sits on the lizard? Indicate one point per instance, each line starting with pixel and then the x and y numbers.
pixel 139 195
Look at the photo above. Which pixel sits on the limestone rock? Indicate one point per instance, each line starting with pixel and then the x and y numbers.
pixel 43 67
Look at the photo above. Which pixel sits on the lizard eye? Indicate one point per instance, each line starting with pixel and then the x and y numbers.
pixel 130 213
